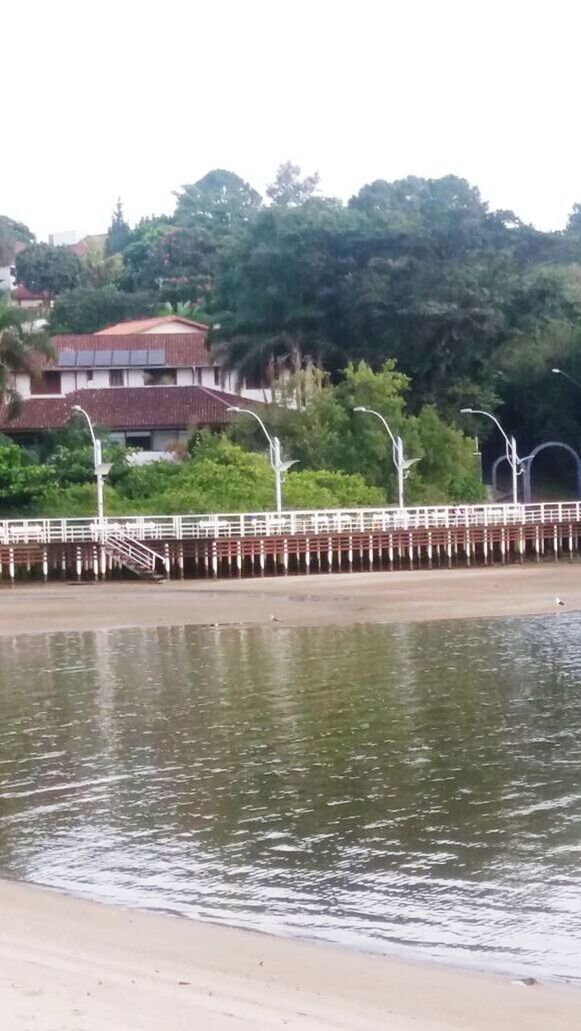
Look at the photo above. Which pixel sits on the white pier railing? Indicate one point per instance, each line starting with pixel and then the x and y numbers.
pixel 269 524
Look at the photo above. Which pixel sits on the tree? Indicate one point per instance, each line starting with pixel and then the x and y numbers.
pixel 48 270
pixel 89 309
pixel 288 189
pixel 220 200
pixel 172 259
pixel 118 233
pixel 278 288
pixel 574 220
pixel 21 347
pixel 22 482
pixel 328 435
pixel 11 234
pixel 448 209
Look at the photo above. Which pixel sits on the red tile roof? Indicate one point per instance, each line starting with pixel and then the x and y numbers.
pixel 22 293
pixel 142 325
pixel 123 408
pixel 181 350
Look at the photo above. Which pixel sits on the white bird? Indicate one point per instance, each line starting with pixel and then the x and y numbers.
pixel 558 601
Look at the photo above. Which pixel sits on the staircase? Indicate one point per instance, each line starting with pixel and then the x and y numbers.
pixel 134 555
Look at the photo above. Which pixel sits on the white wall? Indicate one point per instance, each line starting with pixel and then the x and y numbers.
pixel 68 382
pixel 22 383
pixel 185 377
pixel 100 379
pixel 6 278
pixel 256 394
pixel 64 239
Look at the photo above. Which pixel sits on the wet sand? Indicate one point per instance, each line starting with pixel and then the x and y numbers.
pixel 315 600
pixel 71 965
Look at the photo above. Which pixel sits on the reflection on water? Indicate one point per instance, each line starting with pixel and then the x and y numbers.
pixel 374 785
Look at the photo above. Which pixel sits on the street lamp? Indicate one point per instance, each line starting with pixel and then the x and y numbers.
pixel 511 453
pixel 560 372
pixel 101 469
pixel 279 467
pixel 402 464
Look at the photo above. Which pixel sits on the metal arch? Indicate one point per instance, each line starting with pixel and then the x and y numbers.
pixel 494 471
pixel 528 461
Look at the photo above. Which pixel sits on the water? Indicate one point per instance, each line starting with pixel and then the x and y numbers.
pixel 375 786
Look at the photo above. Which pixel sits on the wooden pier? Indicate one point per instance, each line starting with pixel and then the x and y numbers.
pixel 267 544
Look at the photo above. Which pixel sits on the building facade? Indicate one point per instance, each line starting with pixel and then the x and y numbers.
pixel 149 382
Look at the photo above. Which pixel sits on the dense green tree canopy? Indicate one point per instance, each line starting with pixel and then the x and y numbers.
pixel 88 309
pixel 118 232
pixel 11 234
pixel 48 270
pixel 474 306
pixel 219 200
pixel 288 189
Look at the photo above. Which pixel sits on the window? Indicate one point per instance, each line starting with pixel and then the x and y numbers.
pixel 199 376
pixel 83 379
pixel 116 377
pixel 138 440
pixel 46 383
pixel 216 375
pixel 159 377
pixel 253 382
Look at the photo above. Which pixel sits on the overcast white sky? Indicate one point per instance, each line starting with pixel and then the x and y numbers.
pixel 134 98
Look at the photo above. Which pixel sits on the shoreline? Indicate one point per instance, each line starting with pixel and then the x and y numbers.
pixel 84 966
pixel 316 600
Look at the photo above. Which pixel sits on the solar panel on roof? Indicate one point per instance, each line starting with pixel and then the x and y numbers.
pixel 156 357
pixel 85 358
pixel 67 359
pixel 138 357
pixel 120 357
pixel 102 358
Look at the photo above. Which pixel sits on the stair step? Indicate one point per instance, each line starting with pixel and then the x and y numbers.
pixel 143 571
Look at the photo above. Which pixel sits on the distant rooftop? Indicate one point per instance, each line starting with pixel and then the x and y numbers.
pixel 127 408
pixel 146 325
pixel 179 350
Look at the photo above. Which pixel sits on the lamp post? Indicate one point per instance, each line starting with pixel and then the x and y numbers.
pixel 101 469
pixel 511 452
pixel 279 467
pixel 560 372
pixel 402 464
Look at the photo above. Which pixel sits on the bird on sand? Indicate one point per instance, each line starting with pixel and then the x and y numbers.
pixel 274 619
pixel 559 601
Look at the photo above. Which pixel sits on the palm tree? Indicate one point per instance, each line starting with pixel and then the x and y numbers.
pixel 21 346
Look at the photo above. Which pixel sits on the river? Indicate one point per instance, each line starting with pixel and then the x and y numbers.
pixel 377 786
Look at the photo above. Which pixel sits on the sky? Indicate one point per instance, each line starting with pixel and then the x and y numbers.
pixel 134 98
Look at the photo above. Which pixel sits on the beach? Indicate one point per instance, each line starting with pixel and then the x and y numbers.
pixel 317 600
pixel 71 965
pixel 67 964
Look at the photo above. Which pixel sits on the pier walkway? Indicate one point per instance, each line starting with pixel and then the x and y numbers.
pixel 264 543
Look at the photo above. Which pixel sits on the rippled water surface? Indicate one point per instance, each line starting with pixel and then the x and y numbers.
pixel 373 786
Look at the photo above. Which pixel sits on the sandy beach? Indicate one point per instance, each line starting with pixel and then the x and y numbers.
pixel 294 601
pixel 71 965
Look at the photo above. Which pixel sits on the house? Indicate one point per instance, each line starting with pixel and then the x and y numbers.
pixel 22 297
pixel 209 372
pixel 148 381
